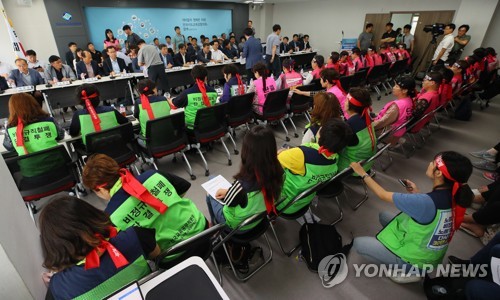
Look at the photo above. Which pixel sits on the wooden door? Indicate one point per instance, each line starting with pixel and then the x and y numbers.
pixel 378 21
pixel 422 39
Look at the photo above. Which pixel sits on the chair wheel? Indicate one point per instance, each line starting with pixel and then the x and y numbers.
pixel 193 177
pixel 229 163
pixel 236 152
pixel 296 135
pixel 287 139
pixel 378 98
pixel 207 173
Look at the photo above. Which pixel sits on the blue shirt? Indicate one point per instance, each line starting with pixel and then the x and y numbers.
pixel 418 206
pixel 115 65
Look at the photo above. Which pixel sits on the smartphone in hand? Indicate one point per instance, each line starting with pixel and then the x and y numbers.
pixel 404 183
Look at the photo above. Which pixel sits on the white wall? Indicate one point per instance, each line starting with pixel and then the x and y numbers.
pixel 324 20
pixel 492 37
pixel 262 18
pixel 32 27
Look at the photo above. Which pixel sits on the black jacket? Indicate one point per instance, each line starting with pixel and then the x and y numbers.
pixel 81 68
pixel 108 67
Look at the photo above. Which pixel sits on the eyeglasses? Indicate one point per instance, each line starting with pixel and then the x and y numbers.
pixel 457 65
pixel 428 78
pixel 313 60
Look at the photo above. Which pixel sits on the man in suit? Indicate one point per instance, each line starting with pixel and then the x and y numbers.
pixel 71 54
pixel 165 57
pixel 306 44
pixel 295 44
pixel 252 52
pixel 205 55
pixel 181 59
pixel 284 47
pixel 192 49
pixel 57 70
pixel 112 64
pixel 25 76
pixel 87 68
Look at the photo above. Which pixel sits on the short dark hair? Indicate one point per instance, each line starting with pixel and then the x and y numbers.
pixel 155 39
pixel 199 72
pixel 467 27
pixel 214 36
pixel 53 58
pixel 193 38
pixel 320 60
pixel 436 77
pixel 389 24
pixel 334 135
pixel 363 96
pixel 176 27
pixel 230 69
pixel 248 31
pixel 110 47
pixel 329 75
pixel 71 44
pixel 250 21
pixel 225 43
pixel 407 26
pixel 189 37
pixel 89 89
pixel 368 25
pixel 286 38
pixel 140 42
pixel 276 27
pixel 89 43
pixel 306 35
pixel 30 53
pixel 181 46
pixel 126 27
pixel 206 44
pixel 451 25
pixel 146 87
pixel 168 37
pixel 161 46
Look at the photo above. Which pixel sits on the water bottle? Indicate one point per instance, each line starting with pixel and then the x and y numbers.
pixel 82 76
pixel 251 81
pixel 301 71
pixel 11 83
pixel 55 80
pixel 123 111
pixel 113 106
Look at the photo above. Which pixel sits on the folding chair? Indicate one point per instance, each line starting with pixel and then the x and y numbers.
pixel 333 188
pixel 165 136
pixel 238 236
pixel 346 81
pixel 239 111
pixel 210 125
pixel 299 104
pixel 358 79
pixel 275 110
pixel 373 79
pixel 200 245
pixel 56 172
pixel 384 77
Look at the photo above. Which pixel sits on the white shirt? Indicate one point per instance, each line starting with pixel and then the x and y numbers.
pixel 125 57
pixel 217 55
pixel 5 68
pixel 447 43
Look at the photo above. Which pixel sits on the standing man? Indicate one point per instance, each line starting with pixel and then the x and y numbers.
pixel 365 39
pixel 34 63
pixel 178 39
pixel 71 54
pixel 408 39
pixel 168 42
pixel 250 25
pixel 445 46
pixel 272 49
pixel 389 35
pixel 252 52
pixel 132 38
pixel 460 41
pixel 149 58
pixel 96 54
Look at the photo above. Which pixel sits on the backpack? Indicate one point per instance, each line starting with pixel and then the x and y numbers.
pixel 319 241
pixel 463 111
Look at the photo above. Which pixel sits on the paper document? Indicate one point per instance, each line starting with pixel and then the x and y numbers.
pixel 214 184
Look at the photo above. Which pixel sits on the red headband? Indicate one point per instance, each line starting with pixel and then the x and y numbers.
pixel 268 199
pixel 19 134
pixel 146 105
pixel 134 188
pixel 203 90
pixel 366 113
pixel 93 115
pixel 241 87
pixel 458 211
pixel 92 260
pixel 325 152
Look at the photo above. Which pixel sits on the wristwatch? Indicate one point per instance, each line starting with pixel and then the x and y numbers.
pixel 364 176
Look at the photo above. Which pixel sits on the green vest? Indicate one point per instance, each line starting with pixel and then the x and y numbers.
pixel 134 271
pixel 108 120
pixel 160 109
pixel 318 169
pixel 237 214
pixel 363 150
pixel 37 137
pixel 195 102
pixel 181 221
pixel 416 243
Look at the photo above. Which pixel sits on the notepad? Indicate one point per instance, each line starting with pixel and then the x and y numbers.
pixel 214 184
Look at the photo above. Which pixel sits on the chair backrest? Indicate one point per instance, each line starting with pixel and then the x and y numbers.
pixel 275 105
pixel 250 220
pixel 112 142
pixel 206 237
pixel 392 130
pixel 300 103
pixel 423 118
pixel 301 196
pixel 166 133
pixel 239 108
pixel 375 73
pixel 359 78
pixel 210 121
pixel 346 81
pixel 316 84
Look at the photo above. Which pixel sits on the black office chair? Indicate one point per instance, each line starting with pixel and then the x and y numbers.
pixel 373 79
pixel 345 81
pixel 359 79
pixel 200 245
pixel 275 110
pixel 118 143
pixel 57 172
pixel 384 77
pixel 299 104
pixel 333 188
pixel 239 236
pixel 240 111
pixel 210 125
pixel 165 136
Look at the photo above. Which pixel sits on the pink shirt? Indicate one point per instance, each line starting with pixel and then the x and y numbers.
pixel 260 94
pixel 115 44
pixel 291 79
pixel 433 98
pixel 405 112
pixel 341 96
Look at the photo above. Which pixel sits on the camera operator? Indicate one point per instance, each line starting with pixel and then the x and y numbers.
pixel 461 40
pixel 445 46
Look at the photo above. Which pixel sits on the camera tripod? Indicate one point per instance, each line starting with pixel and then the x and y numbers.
pixel 430 48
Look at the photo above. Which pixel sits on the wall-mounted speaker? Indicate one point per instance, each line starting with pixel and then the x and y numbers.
pixel 24 2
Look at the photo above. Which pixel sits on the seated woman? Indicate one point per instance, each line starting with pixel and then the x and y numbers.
pixel 29 130
pixel 234 85
pixel 289 78
pixel 346 65
pixel 333 61
pixel 90 258
pixel 421 233
pixel 198 96
pixel 317 65
pixel 311 163
pixel 458 69
pixel 397 112
pixel 149 106
pixel 93 118
pixel 326 107
pixel 329 79
pixel 363 143
pixel 257 185
pixel 262 85
pixel 151 200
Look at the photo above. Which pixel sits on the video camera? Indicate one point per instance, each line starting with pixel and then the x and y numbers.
pixel 437 29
